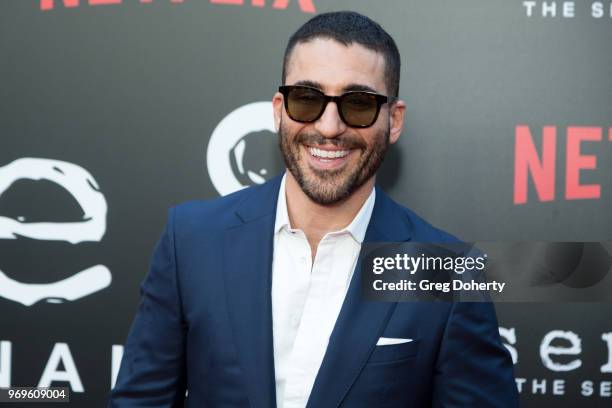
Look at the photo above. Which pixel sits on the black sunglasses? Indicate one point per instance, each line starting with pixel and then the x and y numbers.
pixel 356 108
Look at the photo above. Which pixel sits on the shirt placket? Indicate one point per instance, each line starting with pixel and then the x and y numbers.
pixel 310 345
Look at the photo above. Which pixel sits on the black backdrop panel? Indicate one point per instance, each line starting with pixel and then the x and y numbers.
pixel 111 113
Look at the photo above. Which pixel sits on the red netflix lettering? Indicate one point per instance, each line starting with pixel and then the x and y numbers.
pixel 234 2
pixel 50 4
pixel 576 162
pixel 305 6
pixel 103 2
pixel 526 160
pixel 542 169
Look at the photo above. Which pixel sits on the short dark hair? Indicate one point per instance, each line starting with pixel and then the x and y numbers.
pixel 348 27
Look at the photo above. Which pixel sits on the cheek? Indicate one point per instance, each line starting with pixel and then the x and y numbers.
pixel 293 129
pixel 372 137
pixel 288 132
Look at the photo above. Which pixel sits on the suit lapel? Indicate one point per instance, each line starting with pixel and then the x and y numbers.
pixel 248 249
pixel 360 323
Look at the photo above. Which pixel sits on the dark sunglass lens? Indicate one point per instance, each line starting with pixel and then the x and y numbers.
pixel 304 105
pixel 359 108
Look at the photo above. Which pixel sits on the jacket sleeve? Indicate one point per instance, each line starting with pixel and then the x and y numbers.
pixel 473 368
pixel 152 371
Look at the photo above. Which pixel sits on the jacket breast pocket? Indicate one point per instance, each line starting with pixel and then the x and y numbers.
pixel 389 378
pixel 394 352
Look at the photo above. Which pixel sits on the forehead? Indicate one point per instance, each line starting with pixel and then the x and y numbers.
pixel 336 67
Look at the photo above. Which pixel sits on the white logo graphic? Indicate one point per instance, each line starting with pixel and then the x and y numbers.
pixel 83 187
pixel 227 148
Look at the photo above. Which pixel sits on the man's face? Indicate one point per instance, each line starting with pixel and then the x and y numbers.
pixel 358 152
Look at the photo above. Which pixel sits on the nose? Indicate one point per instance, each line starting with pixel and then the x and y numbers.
pixel 329 124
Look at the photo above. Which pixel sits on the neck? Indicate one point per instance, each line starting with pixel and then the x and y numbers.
pixel 315 219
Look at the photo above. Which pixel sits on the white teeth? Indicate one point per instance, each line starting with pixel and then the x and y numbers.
pixel 327 154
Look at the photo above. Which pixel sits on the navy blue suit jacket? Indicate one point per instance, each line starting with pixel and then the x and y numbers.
pixel 204 323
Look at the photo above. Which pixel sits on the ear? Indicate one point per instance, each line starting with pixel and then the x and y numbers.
pixel 277 106
pixel 396 120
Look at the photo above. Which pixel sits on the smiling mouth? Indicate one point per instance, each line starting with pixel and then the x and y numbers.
pixel 328 159
pixel 327 154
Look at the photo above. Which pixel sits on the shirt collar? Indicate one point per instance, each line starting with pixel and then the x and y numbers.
pixel 357 227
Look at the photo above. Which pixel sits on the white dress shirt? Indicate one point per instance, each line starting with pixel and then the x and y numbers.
pixel 307 297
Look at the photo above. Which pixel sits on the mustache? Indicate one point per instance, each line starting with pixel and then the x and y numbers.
pixel 341 142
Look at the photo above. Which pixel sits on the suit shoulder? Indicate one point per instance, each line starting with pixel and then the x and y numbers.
pixel 210 214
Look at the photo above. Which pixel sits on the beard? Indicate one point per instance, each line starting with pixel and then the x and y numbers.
pixel 327 187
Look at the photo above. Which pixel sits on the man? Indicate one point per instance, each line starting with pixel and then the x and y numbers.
pixel 253 299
